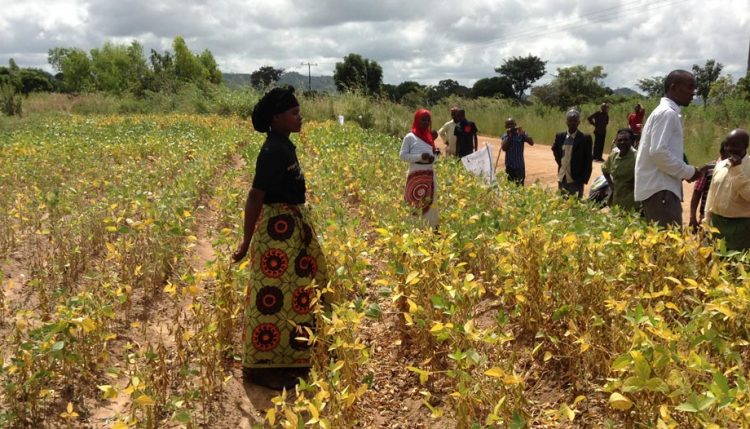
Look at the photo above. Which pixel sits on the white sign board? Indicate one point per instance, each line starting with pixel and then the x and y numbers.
pixel 480 163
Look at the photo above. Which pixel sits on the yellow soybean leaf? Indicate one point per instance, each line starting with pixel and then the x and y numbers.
pixel 109 391
pixel 145 401
pixel 547 356
pixel 88 325
pixel 437 327
pixel 170 288
pixel 423 375
pixel 315 414
pixel 412 278
pixel 271 416
pixel 495 372
pixel 566 412
pixel 409 320
pixel 512 379
pixel 723 309
pixel 619 402
pixel 293 419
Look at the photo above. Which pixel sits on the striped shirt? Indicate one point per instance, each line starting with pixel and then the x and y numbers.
pixel 514 155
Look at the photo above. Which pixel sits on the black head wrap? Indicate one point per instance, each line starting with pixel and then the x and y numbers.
pixel 277 100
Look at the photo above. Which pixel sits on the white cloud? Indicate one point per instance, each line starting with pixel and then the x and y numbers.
pixel 416 40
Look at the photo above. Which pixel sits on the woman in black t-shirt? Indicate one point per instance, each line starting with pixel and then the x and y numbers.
pixel 285 256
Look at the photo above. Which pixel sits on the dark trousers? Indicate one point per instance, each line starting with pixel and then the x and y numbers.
pixel 599 145
pixel 463 149
pixel 664 208
pixel 516 175
pixel 571 189
pixel 734 230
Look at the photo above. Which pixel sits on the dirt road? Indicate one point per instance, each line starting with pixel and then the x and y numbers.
pixel 541 168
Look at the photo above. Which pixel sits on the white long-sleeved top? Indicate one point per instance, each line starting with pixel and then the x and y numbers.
pixel 659 164
pixel 412 149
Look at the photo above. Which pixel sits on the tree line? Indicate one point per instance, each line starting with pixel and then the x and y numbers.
pixel 112 68
pixel 125 69
pixel 571 86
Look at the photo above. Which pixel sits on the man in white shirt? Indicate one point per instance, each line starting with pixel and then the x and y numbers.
pixel 446 132
pixel 659 165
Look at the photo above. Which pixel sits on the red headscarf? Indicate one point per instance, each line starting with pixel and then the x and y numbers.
pixel 424 133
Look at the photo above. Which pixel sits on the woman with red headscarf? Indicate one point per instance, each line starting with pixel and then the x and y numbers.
pixel 418 149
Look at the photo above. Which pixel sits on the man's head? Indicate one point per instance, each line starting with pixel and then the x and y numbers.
pixel 454 113
pixel 735 145
pixel 573 119
pixel 460 114
pixel 604 107
pixel 679 86
pixel 510 124
pixel 624 140
pixel 638 108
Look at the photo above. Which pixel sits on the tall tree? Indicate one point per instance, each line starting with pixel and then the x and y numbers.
pixel 705 76
pixel 743 86
pixel 110 66
pixel 652 86
pixel 496 86
pixel 446 88
pixel 265 77
pixel 187 66
pixel 522 72
pixel 35 80
pixel 13 66
pixel 576 85
pixel 356 73
pixel 75 66
pixel 209 63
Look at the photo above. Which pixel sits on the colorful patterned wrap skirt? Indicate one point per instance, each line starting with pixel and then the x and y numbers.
pixel 420 192
pixel 285 259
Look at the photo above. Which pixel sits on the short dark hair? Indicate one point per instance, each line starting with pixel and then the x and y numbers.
pixel 627 131
pixel 674 77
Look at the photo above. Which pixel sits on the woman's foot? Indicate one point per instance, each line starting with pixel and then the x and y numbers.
pixel 274 378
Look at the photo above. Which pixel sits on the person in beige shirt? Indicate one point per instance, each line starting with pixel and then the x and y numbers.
pixel 446 132
pixel 728 203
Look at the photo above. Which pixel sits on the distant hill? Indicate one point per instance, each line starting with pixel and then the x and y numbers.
pixel 627 92
pixel 297 80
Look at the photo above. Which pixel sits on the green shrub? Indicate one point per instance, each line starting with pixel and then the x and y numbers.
pixel 10 100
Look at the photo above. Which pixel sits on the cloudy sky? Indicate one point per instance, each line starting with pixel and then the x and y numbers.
pixel 412 40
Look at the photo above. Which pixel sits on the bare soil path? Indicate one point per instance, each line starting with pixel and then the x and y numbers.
pixel 541 168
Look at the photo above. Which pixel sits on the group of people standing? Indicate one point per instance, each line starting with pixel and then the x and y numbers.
pixel 287 261
pixel 659 165
pixel 645 169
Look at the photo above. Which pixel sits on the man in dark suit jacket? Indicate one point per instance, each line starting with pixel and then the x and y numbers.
pixel 572 150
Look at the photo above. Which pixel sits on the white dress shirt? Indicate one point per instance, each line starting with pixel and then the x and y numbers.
pixel 659 164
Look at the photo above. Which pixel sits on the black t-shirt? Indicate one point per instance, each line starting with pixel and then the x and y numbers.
pixel 465 132
pixel 277 171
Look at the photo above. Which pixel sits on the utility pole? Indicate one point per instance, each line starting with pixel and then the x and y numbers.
pixel 309 77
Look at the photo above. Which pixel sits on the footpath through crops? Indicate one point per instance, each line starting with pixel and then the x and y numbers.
pixel 525 310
